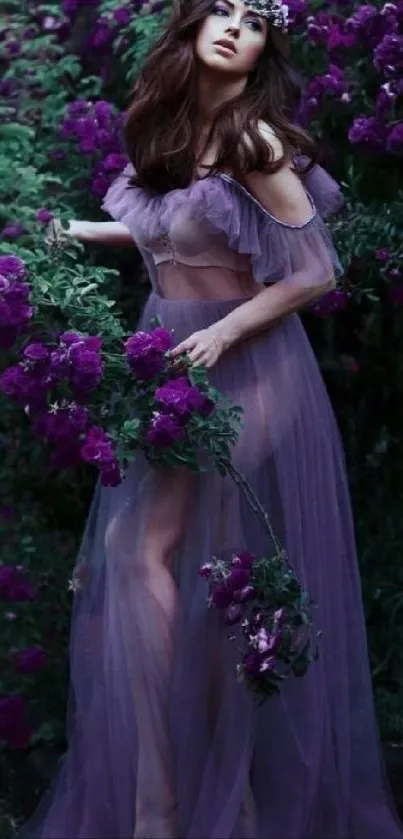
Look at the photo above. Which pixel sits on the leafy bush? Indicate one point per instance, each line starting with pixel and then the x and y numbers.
pixel 67 69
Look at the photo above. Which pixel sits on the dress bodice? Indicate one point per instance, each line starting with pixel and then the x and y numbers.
pixel 214 239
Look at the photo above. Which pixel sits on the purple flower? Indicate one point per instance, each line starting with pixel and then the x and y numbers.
pixel 103 111
pixel 30 660
pixel 12 230
pixel 238 578
pixel 180 397
pixel 385 100
pixel 36 351
pixel 243 559
pixel 23 386
pixel 388 55
pixel 43 215
pixel 252 664
pixel 146 350
pixel 164 431
pixel 114 161
pixel 383 255
pixel 14 584
pixel 55 425
pixel 98 448
pixel 367 131
pixel 334 301
pixel 12 267
pixel 122 16
pixel 111 476
pixel 222 596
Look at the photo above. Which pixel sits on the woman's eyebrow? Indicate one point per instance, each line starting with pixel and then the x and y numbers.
pixel 248 12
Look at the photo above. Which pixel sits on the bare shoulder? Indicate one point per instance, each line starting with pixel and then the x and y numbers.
pixel 269 135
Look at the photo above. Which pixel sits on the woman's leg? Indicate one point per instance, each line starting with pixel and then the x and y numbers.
pixel 149 618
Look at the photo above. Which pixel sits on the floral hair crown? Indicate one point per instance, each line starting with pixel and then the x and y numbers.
pixel 273 10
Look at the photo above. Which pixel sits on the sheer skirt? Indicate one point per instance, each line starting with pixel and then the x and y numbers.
pixel 164 740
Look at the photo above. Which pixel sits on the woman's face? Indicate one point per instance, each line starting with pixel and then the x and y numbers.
pixel 243 30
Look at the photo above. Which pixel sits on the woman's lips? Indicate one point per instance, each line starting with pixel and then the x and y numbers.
pixel 225 47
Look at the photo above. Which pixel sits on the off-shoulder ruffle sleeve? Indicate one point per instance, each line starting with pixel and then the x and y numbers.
pixel 303 255
pixel 118 201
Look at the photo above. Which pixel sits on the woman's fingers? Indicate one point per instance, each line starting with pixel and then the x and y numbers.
pixel 184 346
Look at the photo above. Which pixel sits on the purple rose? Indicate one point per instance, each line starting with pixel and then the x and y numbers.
pixel 122 16
pixel 182 398
pixel 367 131
pixel 12 230
pixel 252 664
pixel 111 476
pixel 36 351
pixel 383 255
pixel 243 559
pixel 334 301
pixel 238 578
pixel 164 431
pixel 388 55
pixel 12 267
pixel 222 596
pixel 98 448
pixel 146 350
pixel 114 161
pixel 30 660
pixel 43 215
pixel 14 584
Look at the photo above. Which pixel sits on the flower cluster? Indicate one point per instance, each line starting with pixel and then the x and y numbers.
pixel 371 37
pixel 65 389
pixel 15 585
pixel 269 615
pixel 15 311
pixel 95 128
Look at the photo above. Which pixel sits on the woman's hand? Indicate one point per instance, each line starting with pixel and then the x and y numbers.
pixel 203 347
pixel 55 233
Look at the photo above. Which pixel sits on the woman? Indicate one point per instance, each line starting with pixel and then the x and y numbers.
pixel 164 742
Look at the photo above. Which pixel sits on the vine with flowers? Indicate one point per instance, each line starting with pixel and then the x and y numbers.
pixel 66 69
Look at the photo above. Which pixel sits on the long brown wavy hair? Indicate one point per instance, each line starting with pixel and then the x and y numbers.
pixel 161 123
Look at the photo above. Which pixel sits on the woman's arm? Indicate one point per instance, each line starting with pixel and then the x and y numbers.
pixel 92 232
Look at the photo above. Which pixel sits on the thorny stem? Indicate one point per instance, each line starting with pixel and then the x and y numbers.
pixel 255 505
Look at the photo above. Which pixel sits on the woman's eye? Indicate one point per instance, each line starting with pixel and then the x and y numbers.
pixel 219 10
pixel 255 25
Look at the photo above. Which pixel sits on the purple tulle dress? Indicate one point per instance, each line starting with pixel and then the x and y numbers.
pixel 164 741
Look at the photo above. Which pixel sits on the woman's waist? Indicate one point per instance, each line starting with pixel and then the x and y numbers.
pixel 181 283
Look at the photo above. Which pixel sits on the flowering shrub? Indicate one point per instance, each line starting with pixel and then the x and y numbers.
pixel 270 618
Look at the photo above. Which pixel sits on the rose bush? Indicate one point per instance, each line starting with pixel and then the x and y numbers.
pixel 66 69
